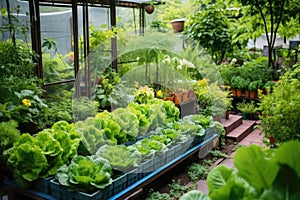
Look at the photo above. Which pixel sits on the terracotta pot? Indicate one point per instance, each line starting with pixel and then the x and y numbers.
pixel 246 93
pixel 177 98
pixel 178 25
pixel 171 98
pixel 149 9
pixel 253 94
pixel 239 92
pixel 233 92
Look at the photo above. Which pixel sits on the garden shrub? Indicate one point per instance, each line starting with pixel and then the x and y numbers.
pixel 281 109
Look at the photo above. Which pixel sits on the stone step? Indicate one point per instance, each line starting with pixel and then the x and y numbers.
pixel 233 122
pixel 241 131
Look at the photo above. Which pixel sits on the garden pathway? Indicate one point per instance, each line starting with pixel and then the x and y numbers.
pixel 255 137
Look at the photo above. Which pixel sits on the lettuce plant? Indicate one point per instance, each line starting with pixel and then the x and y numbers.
pixel 41 155
pixel 120 157
pixel 143 113
pixel 85 173
pixel 128 122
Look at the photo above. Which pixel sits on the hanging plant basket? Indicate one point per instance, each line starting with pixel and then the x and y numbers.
pixel 178 25
pixel 149 9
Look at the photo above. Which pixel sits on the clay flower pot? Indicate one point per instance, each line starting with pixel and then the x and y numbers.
pixel 149 9
pixel 178 25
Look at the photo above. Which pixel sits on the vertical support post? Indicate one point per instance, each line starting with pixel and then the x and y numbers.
pixel 36 35
pixel 86 51
pixel 75 47
pixel 142 19
pixel 114 49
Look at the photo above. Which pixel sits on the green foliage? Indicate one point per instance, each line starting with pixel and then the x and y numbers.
pixel 143 112
pixel 197 171
pixel 17 70
pixel 281 110
pixel 158 196
pixel 269 16
pixel 177 189
pixel 258 175
pixel 253 86
pixel 37 156
pixel 128 122
pixel 28 107
pixel 84 107
pixel 194 194
pixel 247 107
pixel 109 91
pixel 97 131
pixel 85 174
pixel 238 82
pixel 120 157
pixel 9 134
pixel 210 27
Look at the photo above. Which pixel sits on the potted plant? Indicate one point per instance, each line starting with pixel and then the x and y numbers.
pixel 238 83
pixel 268 87
pixel 246 89
pixel 252 87
pixel 248 109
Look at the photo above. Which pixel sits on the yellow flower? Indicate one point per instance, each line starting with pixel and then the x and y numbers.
pixel 26 102
pixel 159 94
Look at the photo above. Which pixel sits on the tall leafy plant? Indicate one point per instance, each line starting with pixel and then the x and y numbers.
pixel 281 109
pixel 210 27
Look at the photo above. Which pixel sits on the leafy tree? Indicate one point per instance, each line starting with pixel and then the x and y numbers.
pixel 211 28
pixel 272 14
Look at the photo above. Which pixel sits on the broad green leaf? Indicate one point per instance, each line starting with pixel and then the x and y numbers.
pixel 285 186
pixel 253 167
pixel 233 189
pixel 218 177
pixel 194 195
pixel 288 154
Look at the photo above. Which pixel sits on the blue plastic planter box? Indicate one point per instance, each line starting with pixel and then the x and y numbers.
pixel 119 183
pixel 62 193
pixel 42 184
pixel 170 154
pixel 132 177
pixel 158 161
pixel 147 167
pixel 178 150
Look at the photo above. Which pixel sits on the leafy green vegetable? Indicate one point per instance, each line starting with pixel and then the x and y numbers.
pixel 161 138
pixel 85 173
pixel 258 174
pixel 120 157
pixel 128 122
pixel 26 158
pixel 158 114
pixel 52 149
pixel 172 111
pixel 193 195
pixel 158 146
pixel 41 155
pixel 143 112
